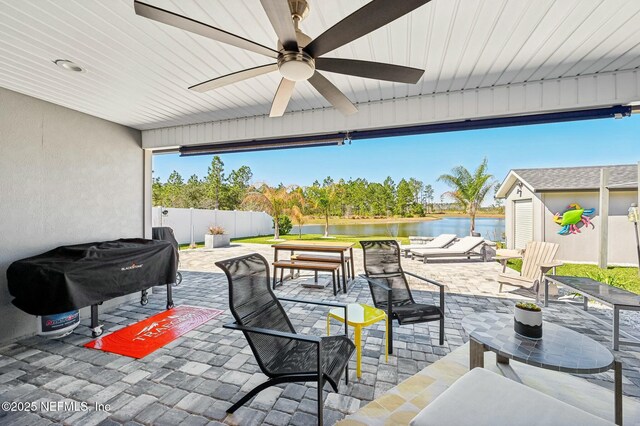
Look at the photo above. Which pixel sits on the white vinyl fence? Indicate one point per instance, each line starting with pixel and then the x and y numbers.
pixel 235 223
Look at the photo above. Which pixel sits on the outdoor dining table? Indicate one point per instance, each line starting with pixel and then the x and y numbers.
pixel 338 247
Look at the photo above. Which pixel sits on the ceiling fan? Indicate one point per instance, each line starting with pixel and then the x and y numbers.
pixel 298 56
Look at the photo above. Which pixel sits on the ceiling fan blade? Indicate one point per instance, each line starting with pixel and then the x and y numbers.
pixel 282 97
pixel 196 27
pixel 235 77
pixel 280 17
pixel 368 18
pixel 332 94
pixel 366 69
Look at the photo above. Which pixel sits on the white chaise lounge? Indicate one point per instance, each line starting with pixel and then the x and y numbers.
pixel 465 247
pixel 484 398
pixel 441 241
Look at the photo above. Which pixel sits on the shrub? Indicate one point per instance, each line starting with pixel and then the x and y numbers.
pixel 216 230
pixel 284 225
pixel 528 306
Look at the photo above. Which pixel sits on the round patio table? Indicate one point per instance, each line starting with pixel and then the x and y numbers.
pixel 560 349
pixel 360 315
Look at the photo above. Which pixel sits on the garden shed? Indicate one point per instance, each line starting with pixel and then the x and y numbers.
pixel 535 200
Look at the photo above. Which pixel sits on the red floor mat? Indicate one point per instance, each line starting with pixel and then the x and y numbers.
pixel 140 339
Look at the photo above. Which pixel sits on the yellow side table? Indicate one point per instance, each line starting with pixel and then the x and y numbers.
pixel 360 315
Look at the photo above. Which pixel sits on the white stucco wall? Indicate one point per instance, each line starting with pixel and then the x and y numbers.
pixel 582 247
pixel 65 178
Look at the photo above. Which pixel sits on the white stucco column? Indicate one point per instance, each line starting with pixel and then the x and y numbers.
pixel 147 191
pixel 603 250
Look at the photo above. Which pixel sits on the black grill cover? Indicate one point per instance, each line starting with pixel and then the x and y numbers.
pixel 72 277
pixel 165 233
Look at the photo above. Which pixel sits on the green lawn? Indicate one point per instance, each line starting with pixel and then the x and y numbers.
pixel 626 278
pixel 318 237
pixel 306 237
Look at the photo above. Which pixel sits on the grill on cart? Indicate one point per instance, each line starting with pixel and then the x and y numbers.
pixel 72 277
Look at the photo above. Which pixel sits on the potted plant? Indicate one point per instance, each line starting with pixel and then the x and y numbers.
pixel 216 237
pixel 527 320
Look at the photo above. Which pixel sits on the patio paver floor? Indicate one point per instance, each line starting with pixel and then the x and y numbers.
pixel 192 380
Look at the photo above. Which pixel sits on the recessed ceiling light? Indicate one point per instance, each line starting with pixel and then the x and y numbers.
pixel 68 65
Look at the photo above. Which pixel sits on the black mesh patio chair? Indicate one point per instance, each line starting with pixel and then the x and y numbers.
pixel 282 354
pixel 387 281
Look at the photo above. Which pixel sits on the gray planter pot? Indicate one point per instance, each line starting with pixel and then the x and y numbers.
pixel 213 241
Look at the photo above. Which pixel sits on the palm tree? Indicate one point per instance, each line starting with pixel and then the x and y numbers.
pixel 298 218
pixel 468 189
pixel 274 201
pixel 323 198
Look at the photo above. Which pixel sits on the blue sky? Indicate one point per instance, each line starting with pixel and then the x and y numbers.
pixel 425 157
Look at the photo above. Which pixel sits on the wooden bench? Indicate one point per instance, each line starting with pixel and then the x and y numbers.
pixel 323 258
pixel 334 268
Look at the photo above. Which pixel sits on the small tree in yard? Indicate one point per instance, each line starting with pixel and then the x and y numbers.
pixel 469 190
pixel 298 218
pixel 274 201
pixel 284 225
pixel 323 198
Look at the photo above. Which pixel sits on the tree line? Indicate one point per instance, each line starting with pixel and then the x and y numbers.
pixel 350 198
pixel 215 191
pixel 355 198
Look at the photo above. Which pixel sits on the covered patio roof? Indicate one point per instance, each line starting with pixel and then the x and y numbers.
pixel 482 59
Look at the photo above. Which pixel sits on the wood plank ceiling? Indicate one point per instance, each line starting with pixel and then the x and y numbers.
pixel 138 71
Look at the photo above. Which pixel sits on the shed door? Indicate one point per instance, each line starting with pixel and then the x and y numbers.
pixel 523 220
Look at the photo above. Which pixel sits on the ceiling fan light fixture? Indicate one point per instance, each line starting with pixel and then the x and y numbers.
pixel 296 66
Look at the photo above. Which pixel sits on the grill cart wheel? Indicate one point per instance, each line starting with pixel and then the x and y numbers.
pixel 178 278
pixel 95 332
pixel 144 298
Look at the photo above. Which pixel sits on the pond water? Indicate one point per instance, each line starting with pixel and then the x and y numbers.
pixel 490 228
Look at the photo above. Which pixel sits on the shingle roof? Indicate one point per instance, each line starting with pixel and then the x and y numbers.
pixel 578 178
